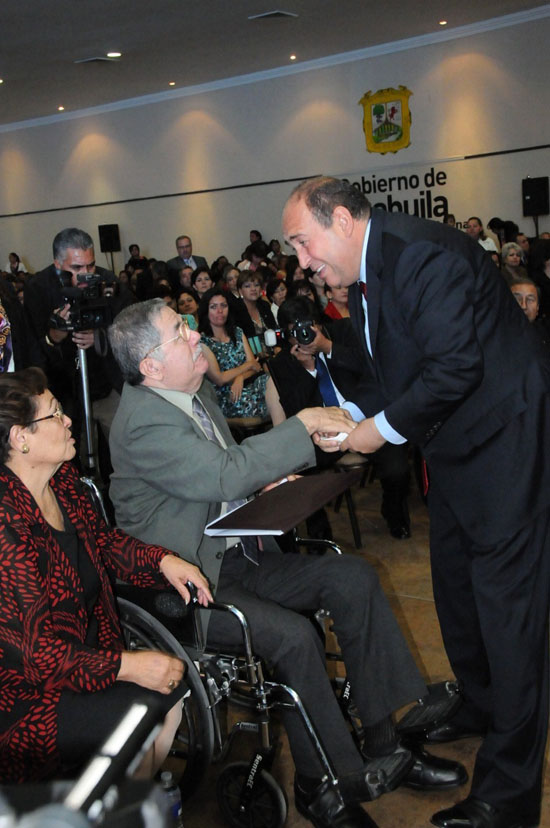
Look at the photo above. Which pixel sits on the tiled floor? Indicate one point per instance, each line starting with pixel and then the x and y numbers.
pixel 403 567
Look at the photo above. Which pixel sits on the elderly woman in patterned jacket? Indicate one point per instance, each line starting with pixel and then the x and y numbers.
pixel 65 678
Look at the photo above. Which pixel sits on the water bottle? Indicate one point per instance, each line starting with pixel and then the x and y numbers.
pixel 173 796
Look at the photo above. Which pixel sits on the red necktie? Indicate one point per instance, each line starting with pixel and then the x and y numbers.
pixel 363 286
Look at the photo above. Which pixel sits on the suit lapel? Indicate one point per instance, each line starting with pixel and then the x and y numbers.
pixel 374 269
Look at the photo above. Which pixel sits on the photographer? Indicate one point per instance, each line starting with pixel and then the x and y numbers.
pixel 69 305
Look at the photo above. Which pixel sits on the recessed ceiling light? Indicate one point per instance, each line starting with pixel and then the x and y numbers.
pixel 171 83
pixel 293 57
pixel 114 54
pixel 1 80
pixel 442 22
pixel 60 108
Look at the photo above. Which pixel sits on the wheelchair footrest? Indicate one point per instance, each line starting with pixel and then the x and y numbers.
pixel 384 773
pixel 442 702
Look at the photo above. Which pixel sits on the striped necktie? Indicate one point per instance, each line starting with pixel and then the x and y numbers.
pixel 249 543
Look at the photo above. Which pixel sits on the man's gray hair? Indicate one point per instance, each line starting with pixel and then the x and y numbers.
pixel 71 237
pixel 322 194
pixel 133 334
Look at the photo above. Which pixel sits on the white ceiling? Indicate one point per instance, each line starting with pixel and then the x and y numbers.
pixel 191 42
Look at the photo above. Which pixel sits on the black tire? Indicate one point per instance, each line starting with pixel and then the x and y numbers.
pixel 194 743
pixel 268 806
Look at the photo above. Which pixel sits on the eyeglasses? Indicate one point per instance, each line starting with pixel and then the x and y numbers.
pixel 58 413
pixel 183 333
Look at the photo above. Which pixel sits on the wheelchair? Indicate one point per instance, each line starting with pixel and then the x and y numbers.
pixel 248 795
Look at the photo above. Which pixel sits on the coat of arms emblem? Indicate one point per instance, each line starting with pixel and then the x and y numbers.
pixel 387 119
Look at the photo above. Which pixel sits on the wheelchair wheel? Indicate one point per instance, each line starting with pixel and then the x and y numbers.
pixel 268 806
pixel 194 743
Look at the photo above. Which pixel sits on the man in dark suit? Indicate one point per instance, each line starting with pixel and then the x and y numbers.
pixel 176 468
pixel 185 256
pixel 459 372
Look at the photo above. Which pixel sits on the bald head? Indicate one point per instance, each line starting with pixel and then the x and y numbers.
pixel 323 193
pixel 325 220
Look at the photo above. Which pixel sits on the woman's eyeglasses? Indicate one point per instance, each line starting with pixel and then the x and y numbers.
pixel 58 414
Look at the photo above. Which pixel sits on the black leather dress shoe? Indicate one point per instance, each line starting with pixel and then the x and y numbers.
pixel 475 813
pixel 399 530
pixel 325 808
pixel 449 732
pixel 433 773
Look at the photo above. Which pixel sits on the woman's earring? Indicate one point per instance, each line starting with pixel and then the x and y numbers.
pixel 25 448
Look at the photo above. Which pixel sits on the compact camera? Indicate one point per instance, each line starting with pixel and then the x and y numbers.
pixel 303 332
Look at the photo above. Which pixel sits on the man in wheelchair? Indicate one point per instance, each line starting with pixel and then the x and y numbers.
pixel 176 468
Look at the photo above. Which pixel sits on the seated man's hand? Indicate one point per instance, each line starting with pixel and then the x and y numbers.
pixel 325 423
pixel 151 669
pixel 177 572
pixel 288 479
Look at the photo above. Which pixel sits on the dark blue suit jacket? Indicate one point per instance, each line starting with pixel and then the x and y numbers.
pixel 458 371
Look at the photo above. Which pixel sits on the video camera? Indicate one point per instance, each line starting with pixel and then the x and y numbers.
pixel 89 309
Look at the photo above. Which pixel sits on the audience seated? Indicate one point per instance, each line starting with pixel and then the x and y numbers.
pixel 229 279
pixel 474 228
pixel 187 302
pixel 185 256
pixel 293 270
pixel 201 280
pixel 523 241
pixel 19 347
pixel 14 264
pixel 237 375
pixel 539 271
pixel 136 260
pixel 258 317
pixel 527 295
pixel 66 678
pixel 255 255
pixel 511 265
pixel 276 291
pixel 337 307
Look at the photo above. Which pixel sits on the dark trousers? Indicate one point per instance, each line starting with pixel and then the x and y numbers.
pixel 379 665
pixel 493 609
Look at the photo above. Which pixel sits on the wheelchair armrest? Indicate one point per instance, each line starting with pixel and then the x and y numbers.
pixel 170 609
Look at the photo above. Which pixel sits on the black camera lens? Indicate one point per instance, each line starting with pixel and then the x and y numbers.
pixel 303 332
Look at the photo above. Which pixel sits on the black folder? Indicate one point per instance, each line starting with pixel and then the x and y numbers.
pixel 281 509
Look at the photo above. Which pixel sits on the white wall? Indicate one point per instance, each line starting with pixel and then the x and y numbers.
pixel 485 93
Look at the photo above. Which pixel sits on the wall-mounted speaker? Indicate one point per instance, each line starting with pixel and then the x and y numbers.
pixel 109 238
pixel 535 196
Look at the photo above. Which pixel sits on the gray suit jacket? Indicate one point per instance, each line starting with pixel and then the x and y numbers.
pixel 177 262
pixel 169 480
